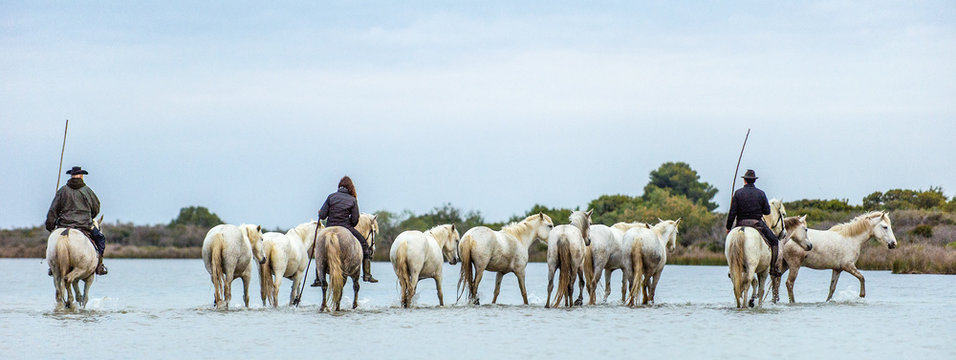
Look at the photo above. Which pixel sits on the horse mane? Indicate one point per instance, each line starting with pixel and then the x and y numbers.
pixel 857 226
pixel 791 222
pixel 440 232
pixel 515 229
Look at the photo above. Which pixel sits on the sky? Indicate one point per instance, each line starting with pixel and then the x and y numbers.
pixel 255 110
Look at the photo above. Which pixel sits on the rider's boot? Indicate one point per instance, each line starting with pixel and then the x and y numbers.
pixel 774 270
pixel 367 271
pixel 319 282
pixel 100 269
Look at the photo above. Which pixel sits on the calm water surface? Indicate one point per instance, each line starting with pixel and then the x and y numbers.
pixel 163 309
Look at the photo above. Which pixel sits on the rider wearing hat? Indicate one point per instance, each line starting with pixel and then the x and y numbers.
pixel 341 209
pixel 747 208
pixel 74 207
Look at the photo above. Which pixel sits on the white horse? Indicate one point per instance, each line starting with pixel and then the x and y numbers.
pixel 606 253
pixel 838 248
pixel 645 254
pixel 287 256
pixel 338 254
pixel 417 255
pixel 72 257
pixel 504 251
pixel 748 257
pixel 567 246
pixel 227 252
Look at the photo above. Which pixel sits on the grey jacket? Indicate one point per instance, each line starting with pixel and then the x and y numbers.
pixel 74 206
pixel 341 209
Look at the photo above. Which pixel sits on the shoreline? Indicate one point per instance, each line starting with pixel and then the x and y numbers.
pixel 907 259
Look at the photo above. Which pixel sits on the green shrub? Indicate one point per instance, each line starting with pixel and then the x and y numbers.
pixel 923 230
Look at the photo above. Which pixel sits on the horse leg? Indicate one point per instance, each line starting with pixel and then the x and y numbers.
pixel 581 282
pixel 87 283
pixel 245 289
pixel 413 288
pixel 645 285
pixel 547 300
pixel 856 273
pixel 79 295
pixel 791 278
pixel 355 288
pixel 833 282
pixel 58 285
pixel 227 289
pixel 324 299
pixel 762 281
pixel 607 283
pixel 524 292
pixel 296 282
pixel 653 291
pixel 441 301
pixel 498 277
pixel 479 273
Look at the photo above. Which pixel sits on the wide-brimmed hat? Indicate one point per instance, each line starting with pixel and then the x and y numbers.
pixel 750 175
pixel 76 170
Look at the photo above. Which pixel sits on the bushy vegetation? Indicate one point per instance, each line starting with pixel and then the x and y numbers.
pixel 924 222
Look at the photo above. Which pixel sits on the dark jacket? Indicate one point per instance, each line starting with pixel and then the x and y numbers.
pixel 74 206
pixel 341 209
pixel 748 203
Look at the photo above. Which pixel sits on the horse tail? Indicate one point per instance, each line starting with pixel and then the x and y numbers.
pixel 465 276
pixel 267 284
pixel 218 277
pixel 63 256
pixel 401 271
pixel 334 259
pixel 737 260
pixel 637 264
pixel 564 264
pixel 589 272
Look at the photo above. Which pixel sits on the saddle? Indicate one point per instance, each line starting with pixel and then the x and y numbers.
pixel 756 224
pixel 86 232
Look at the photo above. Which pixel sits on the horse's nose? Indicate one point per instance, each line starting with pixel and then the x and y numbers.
pixel 892 245
pixel 809 246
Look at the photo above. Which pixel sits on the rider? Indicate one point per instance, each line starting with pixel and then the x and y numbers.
pixel 748 207
pixel 341 209
pixel 74 207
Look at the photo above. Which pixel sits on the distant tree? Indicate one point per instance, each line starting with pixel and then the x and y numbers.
pixel 608 204
pixel 680 179
pixel 196 215
pixel 901 199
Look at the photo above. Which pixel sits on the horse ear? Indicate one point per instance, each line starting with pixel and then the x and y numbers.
pixel 647 226
pixel 660 220
pixel 678 220
pixel 259 228
pixel 100 221
pixel 589 212
pixel 540 215
pixel 453 227
pixel 374 217
pixel 803 218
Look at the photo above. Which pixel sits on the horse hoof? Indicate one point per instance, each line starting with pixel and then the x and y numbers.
pixel 751 303
pixel 578 302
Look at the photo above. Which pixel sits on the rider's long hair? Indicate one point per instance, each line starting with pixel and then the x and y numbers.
pixel 346 182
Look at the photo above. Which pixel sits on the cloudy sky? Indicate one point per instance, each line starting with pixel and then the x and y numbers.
pixel 255 110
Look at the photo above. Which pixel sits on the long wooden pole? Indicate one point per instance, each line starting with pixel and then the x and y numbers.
pixel 734 185
pixel 305 276
pixel 59 172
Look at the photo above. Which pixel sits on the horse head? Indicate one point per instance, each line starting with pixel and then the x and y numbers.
pixel 98 222
pixel 253 234
pixel 368 223
pixel 543 226
pixel 450 247
pixel 667 230
pixel 797 231
pixel 883 229
pixel 582 221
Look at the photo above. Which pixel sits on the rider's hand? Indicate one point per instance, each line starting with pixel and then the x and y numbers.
pixel 728 231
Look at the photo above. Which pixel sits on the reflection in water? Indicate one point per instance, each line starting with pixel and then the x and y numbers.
pixel 172 315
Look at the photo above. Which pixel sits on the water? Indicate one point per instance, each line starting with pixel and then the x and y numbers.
pixel 163 309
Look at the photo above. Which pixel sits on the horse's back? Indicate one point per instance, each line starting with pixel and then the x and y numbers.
pixel 830 250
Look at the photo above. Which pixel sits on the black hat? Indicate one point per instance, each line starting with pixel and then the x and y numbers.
pixel 76 170
pixel 750 175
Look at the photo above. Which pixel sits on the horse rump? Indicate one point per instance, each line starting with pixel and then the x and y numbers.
pixel 336 276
